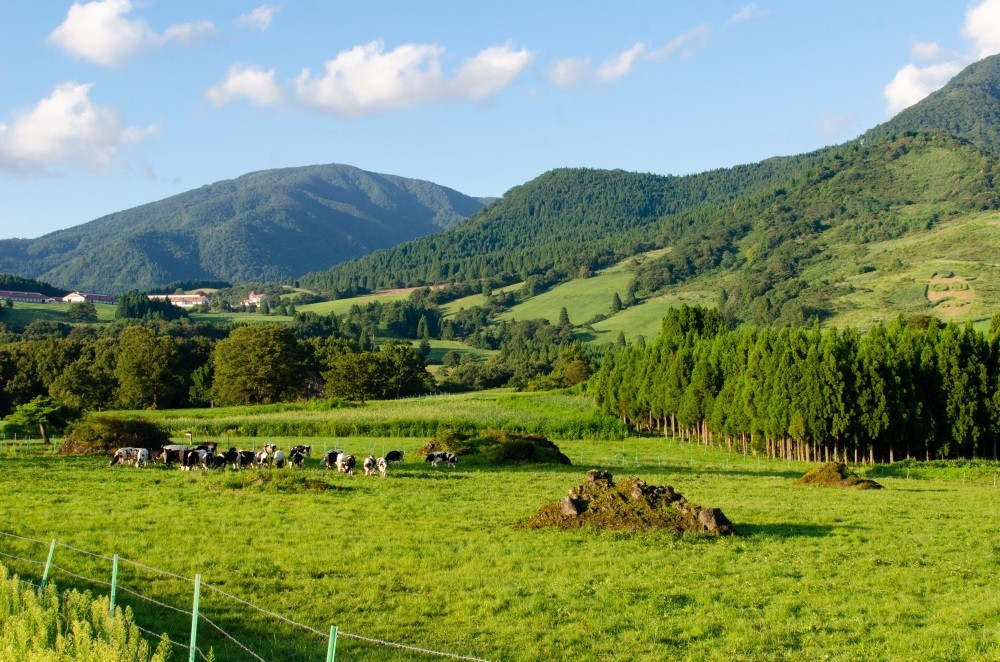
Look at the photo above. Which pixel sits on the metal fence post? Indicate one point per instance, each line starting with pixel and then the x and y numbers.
pixel 194 618
pixel 331 650
pixel 48 564
pixel 114 584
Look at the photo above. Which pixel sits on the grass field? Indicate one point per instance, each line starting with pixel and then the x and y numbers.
pixel 433 558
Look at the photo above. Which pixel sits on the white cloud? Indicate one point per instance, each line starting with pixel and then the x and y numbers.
pixel 490 71
pixel 620 65
pixel 101 32
pixel 66 127
pixel 686 43
pixel 913 83
pixel 748 13
pixel 252 83
pixel 930 51
pixel 982 26
pixel 572 71
pixel 367 79
pixel 259 19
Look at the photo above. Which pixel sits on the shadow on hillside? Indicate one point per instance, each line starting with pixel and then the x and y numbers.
pixel 789 530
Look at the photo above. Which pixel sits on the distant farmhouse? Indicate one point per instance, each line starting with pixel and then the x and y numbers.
pixel 81 297
pixel 254 299
pixel 27 297
pixel 183 300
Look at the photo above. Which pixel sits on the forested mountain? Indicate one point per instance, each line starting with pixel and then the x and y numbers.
pixel 967 107
pixel 764 224
pixel 266 225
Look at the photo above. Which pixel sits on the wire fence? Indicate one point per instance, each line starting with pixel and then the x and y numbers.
pixel 236 629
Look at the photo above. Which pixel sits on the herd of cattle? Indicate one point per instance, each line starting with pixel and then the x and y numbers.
pixel 206 456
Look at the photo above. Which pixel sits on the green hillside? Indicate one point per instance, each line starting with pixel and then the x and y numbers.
pixel 264 226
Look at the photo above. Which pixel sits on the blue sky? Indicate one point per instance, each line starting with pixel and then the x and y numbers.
pixel 109 104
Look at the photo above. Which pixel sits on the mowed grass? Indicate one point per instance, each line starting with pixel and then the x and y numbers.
pixel 434 558
pixel 343 306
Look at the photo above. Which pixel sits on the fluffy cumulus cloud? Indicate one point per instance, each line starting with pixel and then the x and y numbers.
pixel 259 19
pixel 66 127
pixel 102 32
pixel 368 79
pixel 937 66
pixel 246 82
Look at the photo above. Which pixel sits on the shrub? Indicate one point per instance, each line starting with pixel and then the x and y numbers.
pixel 102 433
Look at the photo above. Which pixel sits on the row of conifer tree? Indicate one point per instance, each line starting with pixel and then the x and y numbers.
pixel 909 388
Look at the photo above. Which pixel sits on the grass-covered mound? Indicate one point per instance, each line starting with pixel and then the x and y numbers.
pixel 495 447
pixel 629 505
pixel 103 433
pixel 836 474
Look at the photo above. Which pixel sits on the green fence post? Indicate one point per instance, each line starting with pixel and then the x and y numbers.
pixel 194 617
pixel 48 564
pixel 331 650
pixel 114 584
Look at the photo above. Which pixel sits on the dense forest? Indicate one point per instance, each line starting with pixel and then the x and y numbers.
pixel 912 388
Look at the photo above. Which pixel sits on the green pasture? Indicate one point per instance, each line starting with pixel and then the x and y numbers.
pixel 583 298
pixel 449 309
pixel 24 313
pixel 342 306
pixel 434 558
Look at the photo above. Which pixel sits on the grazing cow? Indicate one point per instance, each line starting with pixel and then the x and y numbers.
pixel 437 457
pixel 394 456
pixel 297 458
pixel 219 461
pixel 306 451
pixel 245 459
pixel 330 458
pixel 345 464
pixel 126 455
pixel 381 465
pixel 195 459
pixel 279 459
pixel 141 457
pixel 172 453
pixel 262 459
pixel 369 466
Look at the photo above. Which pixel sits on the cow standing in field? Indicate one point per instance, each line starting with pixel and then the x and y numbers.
pixel 126 455
pixel 369 466
pixel 194 459
pixel 381 466
pixel 141 457
pixel 296 458
pixel 437 457
pixel 394 456
pixel 306 451
pixel 330 458
pixel 279 459
pixel 171 453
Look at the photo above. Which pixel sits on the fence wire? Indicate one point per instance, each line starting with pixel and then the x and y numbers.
pixel 227 635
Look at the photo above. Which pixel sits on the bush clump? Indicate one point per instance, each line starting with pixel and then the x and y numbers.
pixel 836 474
pixel 495 446
pixel 100 434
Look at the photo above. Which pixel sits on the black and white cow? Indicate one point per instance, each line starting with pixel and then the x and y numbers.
pixel 126 455
pixel 194 459
pixel 369 466
pixel 262 459
pixel 211 447
pixel 381 466
pixel 437 457
pixel 394 456
pixel 330 458
pixel 279 459
pixel 345 464
pixel 171 453
pixel 306 451
pixel 219 461
pixel 296 458
pixel 141 457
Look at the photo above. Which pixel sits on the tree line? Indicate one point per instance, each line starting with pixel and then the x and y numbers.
pixel 909 388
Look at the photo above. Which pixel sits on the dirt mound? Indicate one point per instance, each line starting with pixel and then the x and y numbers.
pixel 836 474
pixel 629 505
